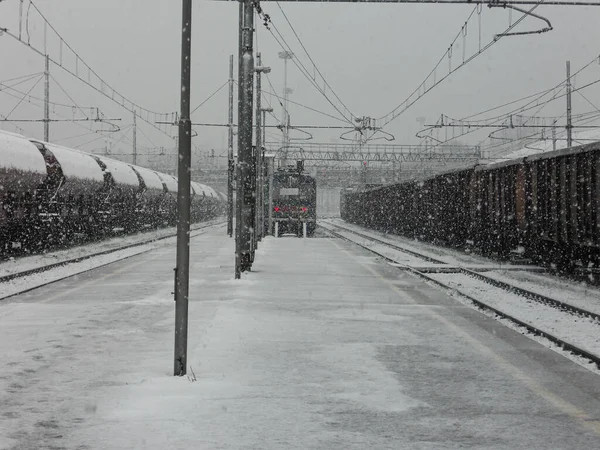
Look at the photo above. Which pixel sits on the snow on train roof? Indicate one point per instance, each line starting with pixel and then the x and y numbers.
pixel 547 146
pixel 18 153
pixel 151 178
pixel 170 181
pixel 210 192
pixel 197 187
pixel 76 164
pixel 121 172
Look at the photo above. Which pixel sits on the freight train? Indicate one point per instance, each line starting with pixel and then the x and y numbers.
pixel 52 195
pixel 544 207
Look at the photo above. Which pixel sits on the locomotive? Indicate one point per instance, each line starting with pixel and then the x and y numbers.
pixel 544 207
pixel 294 201
pixel 52 195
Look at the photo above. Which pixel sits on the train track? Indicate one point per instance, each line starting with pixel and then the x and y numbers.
pixel 44 268
pixel 449 277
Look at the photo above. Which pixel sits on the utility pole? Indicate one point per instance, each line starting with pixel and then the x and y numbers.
pixel 569 123
pixel 182 269
pixel 264 169
pixel 259 69
pixel 244 182
pixel 554 135
pixel 134 138
pixel 239 199
pixel 231 165
pixel 270 169
pixel 285 118
pixel 47 101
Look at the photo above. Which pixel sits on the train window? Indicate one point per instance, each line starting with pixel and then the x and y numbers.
pixel 288 191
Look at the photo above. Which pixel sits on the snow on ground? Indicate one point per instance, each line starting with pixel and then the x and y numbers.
pixel 574 293
pixel 582 332
pixel 313 349
pixel 398 256
pixel 24 263
pixel 32 281
pixel 449 256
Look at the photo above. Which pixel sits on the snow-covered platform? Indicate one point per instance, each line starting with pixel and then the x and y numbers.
pixel 320 347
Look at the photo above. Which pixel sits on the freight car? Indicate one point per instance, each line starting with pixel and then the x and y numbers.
pixel 433 209
pixel 545 207
pixel 53 195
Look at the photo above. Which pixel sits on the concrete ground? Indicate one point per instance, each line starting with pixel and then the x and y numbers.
pixel 322 346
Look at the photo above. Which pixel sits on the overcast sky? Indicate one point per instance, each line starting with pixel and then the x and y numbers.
pixel 373 55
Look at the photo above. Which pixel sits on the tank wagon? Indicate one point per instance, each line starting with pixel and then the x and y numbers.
pixel 53 195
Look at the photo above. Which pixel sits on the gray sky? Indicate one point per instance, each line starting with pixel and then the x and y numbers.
pixel 373 55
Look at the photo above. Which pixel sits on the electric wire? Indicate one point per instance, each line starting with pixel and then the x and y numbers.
pixel 209 97
pixel 407 103
pixel 114 94
pixel 285 46
pixel 22 98
pixel 67 94
pixel 312 61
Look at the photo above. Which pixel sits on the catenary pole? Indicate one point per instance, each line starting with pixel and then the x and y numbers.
pixel 259 69
pixel 182 273
pixel 258 136
pixel 244 191
pixel 134 138
pixel 47 101
pixel 569 110
pixel 230 165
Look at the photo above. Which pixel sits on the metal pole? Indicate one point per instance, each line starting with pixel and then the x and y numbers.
pixel 182 274
pixel 47 101
pixel 285 112
pixel 258 163
pixel 569 123
pixel 239 198
pixel 264 172
pixel 554 135
pixel 134 138
pixel 230 166
pixel 264 124
pixel 270 165
pixel 285 55
pixel 245 181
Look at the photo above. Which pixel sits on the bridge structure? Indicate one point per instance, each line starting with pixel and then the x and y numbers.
pixel 343 165
pixel 385 153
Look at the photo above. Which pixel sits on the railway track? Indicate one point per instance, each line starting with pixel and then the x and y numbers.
pixel 473 285
pixel 46 267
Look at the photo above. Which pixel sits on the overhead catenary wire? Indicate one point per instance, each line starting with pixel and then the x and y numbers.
pixel 286 47
pixel 22 98
pixel 210 96
pixel 54 104
pixel 105 89
pixel 313 63
pixel 407 103
pixel 69 97
pixel 522 109
pixel 539 94
pixel 103 133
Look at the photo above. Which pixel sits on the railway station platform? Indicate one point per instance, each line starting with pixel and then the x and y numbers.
pixel 322 346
